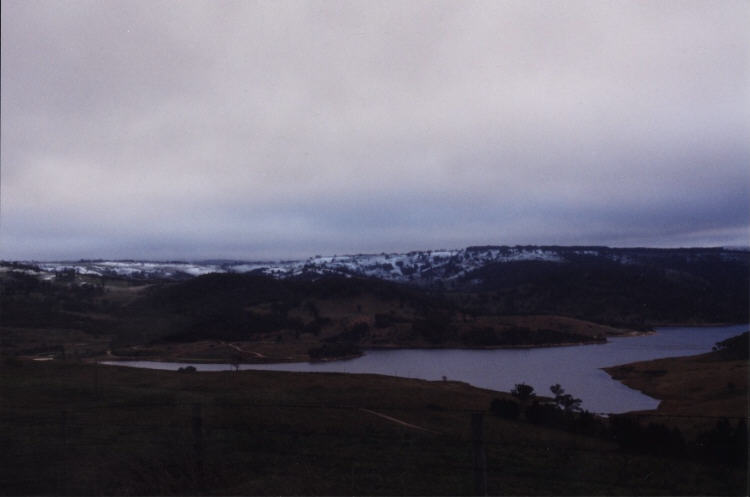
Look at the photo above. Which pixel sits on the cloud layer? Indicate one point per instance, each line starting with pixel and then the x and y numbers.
pixel 192 129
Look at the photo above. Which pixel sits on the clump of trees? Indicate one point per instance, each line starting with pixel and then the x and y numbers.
pixel 565 401
pixel 523 392
pixel 564 412
pixel 725 443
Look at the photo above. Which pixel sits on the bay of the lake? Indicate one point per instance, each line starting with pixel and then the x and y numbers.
pixel 577 368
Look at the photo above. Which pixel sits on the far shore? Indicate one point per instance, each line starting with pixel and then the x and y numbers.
pixel 293 360
pixel 287 357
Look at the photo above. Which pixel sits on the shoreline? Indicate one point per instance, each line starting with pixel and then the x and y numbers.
pixel 297 360
pixel 272 360
pixel 279 360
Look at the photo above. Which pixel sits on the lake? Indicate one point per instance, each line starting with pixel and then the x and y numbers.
pixel 577 368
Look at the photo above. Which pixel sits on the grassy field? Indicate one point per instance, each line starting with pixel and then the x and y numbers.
pixel 706 385
pixel 82 429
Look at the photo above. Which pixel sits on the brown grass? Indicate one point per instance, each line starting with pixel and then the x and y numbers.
pixel 79 429
pixel 701 385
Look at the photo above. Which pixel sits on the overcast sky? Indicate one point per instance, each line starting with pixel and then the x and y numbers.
pixel 187 130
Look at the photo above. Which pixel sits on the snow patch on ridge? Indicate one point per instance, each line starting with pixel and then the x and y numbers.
pixel 428 265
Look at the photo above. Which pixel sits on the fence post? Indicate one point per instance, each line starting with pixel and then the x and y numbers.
pixel 480 458
pixel 64 435
pixel 198 444
pixel 96 378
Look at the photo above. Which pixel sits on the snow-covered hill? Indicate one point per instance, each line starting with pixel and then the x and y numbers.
pixel 419 267
pixel 426 265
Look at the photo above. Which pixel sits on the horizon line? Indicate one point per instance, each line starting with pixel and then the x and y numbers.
pixel 742 248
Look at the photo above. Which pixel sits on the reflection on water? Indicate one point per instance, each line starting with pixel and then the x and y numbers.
pixel 576 368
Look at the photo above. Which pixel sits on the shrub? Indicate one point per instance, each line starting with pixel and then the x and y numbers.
pixel 505 408
pixel 565 401
pixel 653 439
pixel 523 392
pixel 545 414
pixel 724 444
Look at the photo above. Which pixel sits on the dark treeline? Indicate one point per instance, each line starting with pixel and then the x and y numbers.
pixel 28 301
pixel 668 289
pixel 725 443
pixel 220 307
pixel 216 307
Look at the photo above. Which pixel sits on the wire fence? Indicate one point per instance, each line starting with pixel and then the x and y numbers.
pixel 464 450
pixel 94 405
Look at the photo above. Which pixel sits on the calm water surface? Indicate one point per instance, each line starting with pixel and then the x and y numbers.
pixel 576 368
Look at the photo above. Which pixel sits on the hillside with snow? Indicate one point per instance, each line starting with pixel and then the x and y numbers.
pixel 420 298
pixel 417 267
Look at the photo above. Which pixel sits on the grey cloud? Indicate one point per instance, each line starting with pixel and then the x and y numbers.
pixel 205 128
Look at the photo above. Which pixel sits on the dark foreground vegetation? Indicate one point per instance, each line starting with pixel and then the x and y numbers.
pixel 709 439
pixel 70 428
